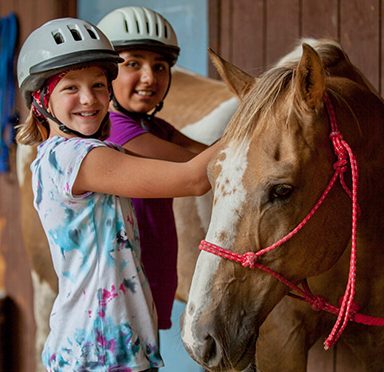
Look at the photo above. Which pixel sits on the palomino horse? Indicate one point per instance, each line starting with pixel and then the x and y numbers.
pixel 298 209
pixel 198 106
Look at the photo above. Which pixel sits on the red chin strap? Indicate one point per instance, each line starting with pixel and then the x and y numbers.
pixel 42 95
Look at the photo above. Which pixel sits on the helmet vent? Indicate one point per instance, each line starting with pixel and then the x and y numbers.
pixel 147 24
pixel 91 33
pixel 75 34
pixel 166 31
pixel 137 26
pixel 58 38
pixel 126 25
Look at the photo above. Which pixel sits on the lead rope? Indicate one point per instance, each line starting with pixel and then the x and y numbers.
pixel 342 149
pixel 348 309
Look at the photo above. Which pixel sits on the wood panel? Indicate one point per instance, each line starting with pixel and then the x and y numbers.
pixel 381 48
pixel 248 26
pixel 320 19
pixel 282 28
pixel 254 34
pixel 360 35
pixel 214 33
pixel 226 28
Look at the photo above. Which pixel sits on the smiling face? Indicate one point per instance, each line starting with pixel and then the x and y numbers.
pixel 80 101
pixel 142 81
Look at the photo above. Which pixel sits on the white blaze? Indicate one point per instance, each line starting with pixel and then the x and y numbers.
pixel 229 199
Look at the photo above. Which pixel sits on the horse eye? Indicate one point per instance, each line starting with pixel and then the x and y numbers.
pixel 281 192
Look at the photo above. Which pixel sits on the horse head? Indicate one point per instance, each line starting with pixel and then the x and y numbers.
pixel 277 159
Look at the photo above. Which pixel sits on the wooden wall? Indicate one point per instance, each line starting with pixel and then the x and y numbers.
pixel 254 34
pixel 19 310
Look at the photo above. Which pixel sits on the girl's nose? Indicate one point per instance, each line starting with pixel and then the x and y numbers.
pixel 147 75
pixel 87 97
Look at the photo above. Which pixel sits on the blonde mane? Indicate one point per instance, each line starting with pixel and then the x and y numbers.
pixel 271 85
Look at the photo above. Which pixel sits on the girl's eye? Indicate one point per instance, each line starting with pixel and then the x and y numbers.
pixel 70 88
pixel 132 64
pixel 100 85
pixel 160 67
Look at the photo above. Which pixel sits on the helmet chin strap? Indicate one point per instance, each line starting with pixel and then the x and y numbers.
pixel 43 111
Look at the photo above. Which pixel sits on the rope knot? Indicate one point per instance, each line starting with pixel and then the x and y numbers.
pixel 318 303
pixel 340 151
pixel 249 259
pixel 335 136
pixel 340 165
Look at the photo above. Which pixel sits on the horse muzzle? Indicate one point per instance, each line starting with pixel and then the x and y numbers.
pixel 211 346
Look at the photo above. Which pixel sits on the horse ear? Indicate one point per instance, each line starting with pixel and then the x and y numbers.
pixel 236 79
pixel 310 78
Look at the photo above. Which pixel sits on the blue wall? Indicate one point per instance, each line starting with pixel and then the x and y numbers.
pixel 189 18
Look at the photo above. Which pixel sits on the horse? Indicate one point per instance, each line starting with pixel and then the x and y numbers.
pixel 294 249
pixel 199 107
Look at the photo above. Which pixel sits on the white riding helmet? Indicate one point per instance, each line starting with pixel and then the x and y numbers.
pixel 141 28
pixel 59 44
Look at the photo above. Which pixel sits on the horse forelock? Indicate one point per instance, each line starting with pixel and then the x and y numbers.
pixel 259 102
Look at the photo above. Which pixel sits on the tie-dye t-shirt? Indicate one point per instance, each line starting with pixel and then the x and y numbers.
pixel 103 318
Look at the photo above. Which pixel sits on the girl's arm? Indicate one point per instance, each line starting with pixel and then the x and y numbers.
pixel 109 171
pixel 150 146
pixel 187 143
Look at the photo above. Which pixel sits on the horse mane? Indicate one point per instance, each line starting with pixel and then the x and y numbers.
pixel 269 86
pixel 259 101
pixel 330 52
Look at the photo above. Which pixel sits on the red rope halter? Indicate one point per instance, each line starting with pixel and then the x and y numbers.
pixel 348 309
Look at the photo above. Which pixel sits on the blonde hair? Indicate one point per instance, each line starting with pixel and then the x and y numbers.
pixel 33 131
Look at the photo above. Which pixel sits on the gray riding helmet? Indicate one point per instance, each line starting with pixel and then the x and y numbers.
pixel 58 45
pixel 141 28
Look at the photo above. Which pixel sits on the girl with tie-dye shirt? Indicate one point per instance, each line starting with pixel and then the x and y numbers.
pixel 103 318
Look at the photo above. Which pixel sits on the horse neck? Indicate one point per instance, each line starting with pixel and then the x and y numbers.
pixel 345 69
pixel 360 122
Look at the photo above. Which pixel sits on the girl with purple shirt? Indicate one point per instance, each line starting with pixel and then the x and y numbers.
pixel 148 45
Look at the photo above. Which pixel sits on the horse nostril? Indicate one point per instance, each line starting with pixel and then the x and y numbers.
pixel 210 353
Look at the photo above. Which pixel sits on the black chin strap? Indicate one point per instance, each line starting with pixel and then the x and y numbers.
pixel 140 117
pixel 43 111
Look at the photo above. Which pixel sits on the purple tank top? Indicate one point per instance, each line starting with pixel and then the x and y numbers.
pixel 158 238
